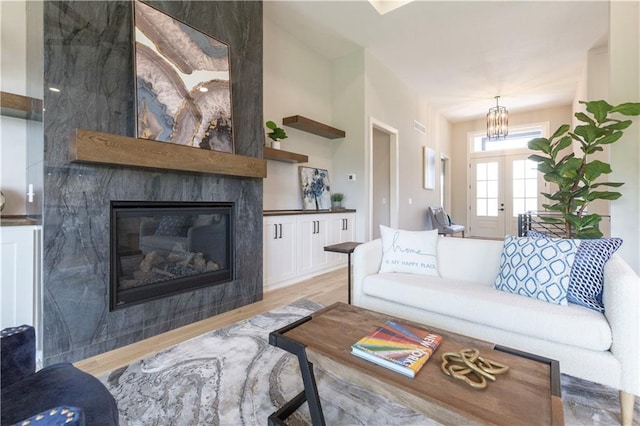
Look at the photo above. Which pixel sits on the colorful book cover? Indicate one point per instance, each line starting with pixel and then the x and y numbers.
pixel 399 347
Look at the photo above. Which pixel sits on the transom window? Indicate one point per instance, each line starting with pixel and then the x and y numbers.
pixel 518 139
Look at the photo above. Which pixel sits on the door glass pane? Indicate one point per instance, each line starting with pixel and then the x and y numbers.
pixel 492 171
pixel 531 169
pixel 487 189
pixel 481 171
pixel 492 207
pixel 481 207
pixel 482 189
pixel 492 189
pixel 525 186
pixel 518 188
pixel 518 206
pixel 532 204
pixel 518 169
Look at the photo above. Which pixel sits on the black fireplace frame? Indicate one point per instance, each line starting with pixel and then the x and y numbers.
pixel 122 298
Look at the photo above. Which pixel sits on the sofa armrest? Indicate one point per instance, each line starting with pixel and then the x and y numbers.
pixel 367 258
pixel 621 297
pixel 18 349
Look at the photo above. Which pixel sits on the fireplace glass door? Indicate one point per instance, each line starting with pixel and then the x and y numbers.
pixel 160 249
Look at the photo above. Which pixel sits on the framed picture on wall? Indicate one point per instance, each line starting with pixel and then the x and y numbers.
pixel 315 189
pixel 429 165
pixel 183 83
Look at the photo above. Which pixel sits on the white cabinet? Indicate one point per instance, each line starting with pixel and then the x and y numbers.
pixel 279 248
pixel 313 233
pixel 19 252
pixel 294 245
pixel 342 230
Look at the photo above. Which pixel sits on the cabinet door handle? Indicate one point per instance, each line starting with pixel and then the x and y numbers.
pixel 280 228
pixel 275 231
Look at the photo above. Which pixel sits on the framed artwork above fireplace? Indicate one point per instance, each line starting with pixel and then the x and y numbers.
pixel 183 83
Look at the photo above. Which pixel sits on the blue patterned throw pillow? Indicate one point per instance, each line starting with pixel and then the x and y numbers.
pixel 587 273
pixel 537 267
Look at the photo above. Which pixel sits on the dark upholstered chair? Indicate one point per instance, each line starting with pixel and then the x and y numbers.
pixel 59 391
pixel 438 219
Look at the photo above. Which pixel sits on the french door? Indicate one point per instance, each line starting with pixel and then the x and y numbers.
pixel 500 188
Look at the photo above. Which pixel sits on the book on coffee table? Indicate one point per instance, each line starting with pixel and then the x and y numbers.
pixel 398 347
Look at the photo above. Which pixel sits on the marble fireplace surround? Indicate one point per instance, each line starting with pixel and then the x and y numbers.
pixel 88 57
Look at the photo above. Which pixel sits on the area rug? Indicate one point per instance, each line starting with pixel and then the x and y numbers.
pixel 232 376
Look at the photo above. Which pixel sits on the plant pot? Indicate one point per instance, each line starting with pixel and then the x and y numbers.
pixel 336 205
pixel 275 144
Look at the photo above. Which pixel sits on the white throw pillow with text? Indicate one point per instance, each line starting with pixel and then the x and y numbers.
pixel 411 252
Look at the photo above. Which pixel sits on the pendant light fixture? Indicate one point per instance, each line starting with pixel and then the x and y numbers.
pixel 497 121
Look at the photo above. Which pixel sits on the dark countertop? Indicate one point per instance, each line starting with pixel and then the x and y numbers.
pixel 293 212
pixel 17 221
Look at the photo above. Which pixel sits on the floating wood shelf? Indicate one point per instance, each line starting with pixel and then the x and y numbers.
pixel 310 126
pixel 285 156
pixel 94 147
pixel 19 106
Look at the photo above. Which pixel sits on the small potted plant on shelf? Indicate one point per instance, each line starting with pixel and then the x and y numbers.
pixel 275 134
pixel 336 201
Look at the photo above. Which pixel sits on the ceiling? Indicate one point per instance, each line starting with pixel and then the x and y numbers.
pixel 458 55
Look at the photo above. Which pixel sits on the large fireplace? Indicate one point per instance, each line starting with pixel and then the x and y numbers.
pixel 160 249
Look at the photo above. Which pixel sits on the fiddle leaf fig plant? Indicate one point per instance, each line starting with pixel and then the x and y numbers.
pixel 577 178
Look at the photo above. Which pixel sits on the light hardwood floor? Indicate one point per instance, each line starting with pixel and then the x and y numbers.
pixel 325 289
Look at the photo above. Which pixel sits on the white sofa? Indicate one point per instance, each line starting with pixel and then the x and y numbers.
pixel 603 348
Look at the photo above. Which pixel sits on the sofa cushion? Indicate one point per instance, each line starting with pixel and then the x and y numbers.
pixel 587 272
pixel 537 267
pixel 481 259
pixel 483 304
pixel 412 252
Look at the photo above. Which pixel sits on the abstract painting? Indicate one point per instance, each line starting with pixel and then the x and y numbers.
pixel 316 192
pixel 183 83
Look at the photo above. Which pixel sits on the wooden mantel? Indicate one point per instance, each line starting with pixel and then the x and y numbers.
pixel 87 146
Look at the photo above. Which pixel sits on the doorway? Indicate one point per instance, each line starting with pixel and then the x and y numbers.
pixel 380 191
pixel 383 177
pixel 500 188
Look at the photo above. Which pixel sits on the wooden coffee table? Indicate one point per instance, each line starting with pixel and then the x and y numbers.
pixel 528 394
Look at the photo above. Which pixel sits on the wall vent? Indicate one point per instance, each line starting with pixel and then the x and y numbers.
pixel 419 127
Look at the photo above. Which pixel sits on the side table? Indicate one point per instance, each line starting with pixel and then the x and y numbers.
pixel 348 248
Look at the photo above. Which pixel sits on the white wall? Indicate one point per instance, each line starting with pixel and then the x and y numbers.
pixel 13 131
pixel 594 85
pixel 297 81
pixel 624 86
pixel 459 167
pixel 348 153
pixel 389 100
pixel 345 93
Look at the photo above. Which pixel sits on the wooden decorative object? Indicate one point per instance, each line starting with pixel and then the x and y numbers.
pixel 95 147
pixel 310 126
pixel 285 156
pixel 467 365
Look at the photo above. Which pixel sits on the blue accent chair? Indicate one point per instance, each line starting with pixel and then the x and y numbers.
pixel 58 394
